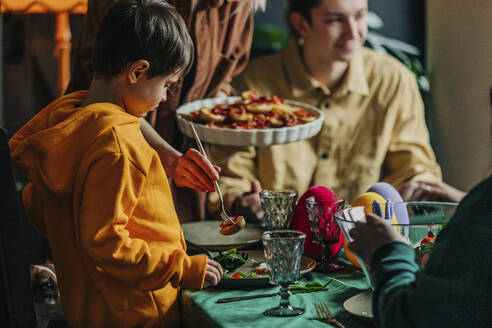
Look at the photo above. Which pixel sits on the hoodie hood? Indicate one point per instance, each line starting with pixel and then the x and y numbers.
pixel 50 147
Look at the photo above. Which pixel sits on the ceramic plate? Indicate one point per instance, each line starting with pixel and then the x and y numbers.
pixel 360 305
pixel 207 234
pixel 253 137
pixel 255 257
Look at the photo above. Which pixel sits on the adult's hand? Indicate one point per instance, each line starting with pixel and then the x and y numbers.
pixel 369 236
pixel 194 171
pixel 430 191
pixel 249 204
pixel 213 273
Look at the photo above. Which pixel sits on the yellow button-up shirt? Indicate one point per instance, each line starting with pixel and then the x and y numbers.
pixel 374 129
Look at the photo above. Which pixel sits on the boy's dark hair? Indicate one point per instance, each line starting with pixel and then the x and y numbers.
pixel 143 29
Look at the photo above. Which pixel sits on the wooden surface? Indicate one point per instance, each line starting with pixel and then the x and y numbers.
pixel 44 6
pixel 63 36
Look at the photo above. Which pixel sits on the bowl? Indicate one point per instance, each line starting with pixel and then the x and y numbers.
pixel 243 137
pixel 418 222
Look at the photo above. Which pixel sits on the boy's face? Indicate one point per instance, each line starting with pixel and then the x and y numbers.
pixel 337 30
pixel 146 94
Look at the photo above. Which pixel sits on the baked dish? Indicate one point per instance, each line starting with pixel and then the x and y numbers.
pixel 249 120
pixel 252 112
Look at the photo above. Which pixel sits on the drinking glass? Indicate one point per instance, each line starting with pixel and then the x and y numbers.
pixel 418 222
pixel 324 229
pixel 278 206
pixel 283 253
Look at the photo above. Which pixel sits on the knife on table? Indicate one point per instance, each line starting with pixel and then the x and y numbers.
pixel 240 298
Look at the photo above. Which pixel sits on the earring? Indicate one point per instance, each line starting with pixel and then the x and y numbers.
pixel 300 41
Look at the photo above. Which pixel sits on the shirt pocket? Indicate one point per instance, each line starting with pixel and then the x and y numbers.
pixel 223 72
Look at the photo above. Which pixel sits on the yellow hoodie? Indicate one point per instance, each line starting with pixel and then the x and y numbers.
pixel 100 194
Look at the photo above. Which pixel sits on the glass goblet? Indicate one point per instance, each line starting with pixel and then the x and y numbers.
pixel 283 253
pixel 324 228
pixel 278 206
pixel 417 222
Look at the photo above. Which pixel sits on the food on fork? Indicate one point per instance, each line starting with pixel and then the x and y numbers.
pixel 227 228
pixel 252 112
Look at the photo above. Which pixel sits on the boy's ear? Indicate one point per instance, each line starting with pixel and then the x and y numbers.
pixel 299 23
pixel 137 69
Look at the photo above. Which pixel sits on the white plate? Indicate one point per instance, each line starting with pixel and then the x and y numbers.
pixel 253 137
pixel 360 305
pixel 207 234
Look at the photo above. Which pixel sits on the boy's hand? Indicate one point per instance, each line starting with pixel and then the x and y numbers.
pixel 213 273
pixel 194 171
pixel 369 236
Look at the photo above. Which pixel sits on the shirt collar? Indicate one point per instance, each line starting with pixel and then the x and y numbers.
pixel 302 82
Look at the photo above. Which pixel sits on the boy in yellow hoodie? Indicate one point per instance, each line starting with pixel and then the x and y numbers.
pixel 99 191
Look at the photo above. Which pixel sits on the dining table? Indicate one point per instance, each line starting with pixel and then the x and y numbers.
pixel 199 307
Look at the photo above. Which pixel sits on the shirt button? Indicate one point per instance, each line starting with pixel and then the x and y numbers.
pixel 324 156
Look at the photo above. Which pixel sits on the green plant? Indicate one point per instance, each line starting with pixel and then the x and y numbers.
pixel 408 54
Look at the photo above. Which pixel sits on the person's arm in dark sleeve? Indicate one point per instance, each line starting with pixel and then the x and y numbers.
pixel 408 297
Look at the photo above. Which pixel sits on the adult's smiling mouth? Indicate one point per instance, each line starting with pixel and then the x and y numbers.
pixel 349 46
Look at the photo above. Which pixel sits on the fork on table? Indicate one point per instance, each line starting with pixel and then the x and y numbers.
pixel 325 315
pixel 223 215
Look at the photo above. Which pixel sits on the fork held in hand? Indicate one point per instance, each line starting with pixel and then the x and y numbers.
pixel 325 315
pixel 223 214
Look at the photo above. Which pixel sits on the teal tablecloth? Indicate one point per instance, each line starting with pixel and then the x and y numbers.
pixel 200 310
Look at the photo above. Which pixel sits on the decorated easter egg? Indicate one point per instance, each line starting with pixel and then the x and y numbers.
pixel 389 192
pixel 372 203
pixel 301 222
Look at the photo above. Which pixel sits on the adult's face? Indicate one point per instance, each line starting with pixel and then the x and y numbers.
pixel 337 30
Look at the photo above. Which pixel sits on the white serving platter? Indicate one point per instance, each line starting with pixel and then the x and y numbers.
pixel 252 137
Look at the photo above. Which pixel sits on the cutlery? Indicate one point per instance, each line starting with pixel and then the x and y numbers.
pixel 325 315
pixel 223 214
pixel 200 249
pixel 240 298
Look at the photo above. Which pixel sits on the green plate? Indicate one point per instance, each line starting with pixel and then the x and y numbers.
pixel 255 257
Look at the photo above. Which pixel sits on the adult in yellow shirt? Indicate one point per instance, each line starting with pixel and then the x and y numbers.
pixel 374 126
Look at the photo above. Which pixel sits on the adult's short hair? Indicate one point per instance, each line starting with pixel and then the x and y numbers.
pixel 142 29
pixel 303 8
